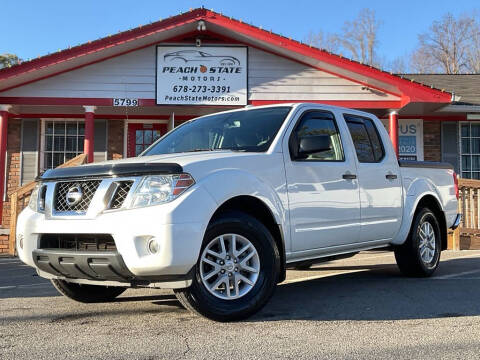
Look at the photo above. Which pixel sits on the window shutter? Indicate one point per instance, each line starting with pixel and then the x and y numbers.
pixel 100 140
pixel 29 150
pixel 450 144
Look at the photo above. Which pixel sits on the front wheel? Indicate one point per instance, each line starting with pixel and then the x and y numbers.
pixel 419 256
pixel 87 293
pixel 236 271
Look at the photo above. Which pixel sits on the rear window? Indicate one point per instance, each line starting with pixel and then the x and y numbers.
pixel 366 139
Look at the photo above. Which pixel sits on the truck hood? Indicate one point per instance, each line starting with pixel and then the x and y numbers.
pixel 196 163
pixel 182 159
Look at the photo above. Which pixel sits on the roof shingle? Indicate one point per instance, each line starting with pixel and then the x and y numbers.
pixel 467 86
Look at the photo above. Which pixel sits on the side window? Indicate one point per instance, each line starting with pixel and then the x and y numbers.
pixel 366 139
pixel 319 130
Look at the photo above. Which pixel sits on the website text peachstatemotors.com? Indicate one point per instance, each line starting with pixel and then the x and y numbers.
pixel 198 98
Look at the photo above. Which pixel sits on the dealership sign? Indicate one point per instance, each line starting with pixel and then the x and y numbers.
pixel 410 138
pixel 207 75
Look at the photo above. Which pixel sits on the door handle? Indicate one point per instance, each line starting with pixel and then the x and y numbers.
pixel 349 176
pixel 391 176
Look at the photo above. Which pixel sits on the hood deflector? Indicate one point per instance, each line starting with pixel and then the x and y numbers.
pixel 111 170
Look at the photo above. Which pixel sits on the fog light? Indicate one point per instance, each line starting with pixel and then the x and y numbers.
pixel 153 246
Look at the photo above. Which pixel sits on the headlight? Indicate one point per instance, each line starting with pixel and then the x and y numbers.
pixel 160 189
pixel 37 198
pixel 33 203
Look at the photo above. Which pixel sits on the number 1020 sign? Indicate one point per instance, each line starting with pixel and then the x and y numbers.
pixel 209 75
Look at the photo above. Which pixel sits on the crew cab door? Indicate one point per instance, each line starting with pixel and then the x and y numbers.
pixel 323 191
pixel 379 178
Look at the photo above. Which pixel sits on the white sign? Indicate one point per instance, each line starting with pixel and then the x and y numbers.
pixel 207 75
pixel 410 138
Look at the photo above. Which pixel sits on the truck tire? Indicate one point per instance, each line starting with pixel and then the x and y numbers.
pixel 419 256
pixel 87 293
pixel 236 271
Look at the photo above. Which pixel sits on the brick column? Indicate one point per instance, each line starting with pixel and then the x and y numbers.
pixel 4 114
pixel 89 132
pixel 394 130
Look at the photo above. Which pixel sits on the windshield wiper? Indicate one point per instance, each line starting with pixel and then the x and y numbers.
pixel 206 149
pixel 214 149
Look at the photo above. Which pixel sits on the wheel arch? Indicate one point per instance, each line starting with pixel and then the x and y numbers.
pixel 432 203
pixel 412 206
pixel 258 209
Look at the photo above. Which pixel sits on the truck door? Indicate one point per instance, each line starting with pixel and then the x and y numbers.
pixel 323 191
pixel 379 179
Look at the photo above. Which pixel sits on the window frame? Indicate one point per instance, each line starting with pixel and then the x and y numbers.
pixel 43 140
pixel 471 153
pixel 294 131
pixel 382 146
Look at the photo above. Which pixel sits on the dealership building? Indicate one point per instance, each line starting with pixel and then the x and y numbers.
pixel 112 97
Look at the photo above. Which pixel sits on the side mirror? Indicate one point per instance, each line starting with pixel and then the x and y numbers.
pixel 313 144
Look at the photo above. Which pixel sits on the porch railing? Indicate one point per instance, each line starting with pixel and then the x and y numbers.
pixel 19 199
pixel 469 207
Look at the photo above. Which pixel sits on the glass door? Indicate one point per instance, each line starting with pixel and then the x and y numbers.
pixel 141 136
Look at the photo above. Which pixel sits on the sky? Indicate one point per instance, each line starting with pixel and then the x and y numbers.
pixel 33 28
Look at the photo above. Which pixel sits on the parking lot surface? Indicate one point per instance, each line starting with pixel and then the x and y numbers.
pixel 357 308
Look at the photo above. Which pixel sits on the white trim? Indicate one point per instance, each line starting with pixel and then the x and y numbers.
pixel 5 107
pixel 89 108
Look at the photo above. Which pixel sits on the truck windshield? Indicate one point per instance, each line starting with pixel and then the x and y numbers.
pixel 248 130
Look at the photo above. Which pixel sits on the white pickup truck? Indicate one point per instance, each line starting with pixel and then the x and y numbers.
pixel 218 208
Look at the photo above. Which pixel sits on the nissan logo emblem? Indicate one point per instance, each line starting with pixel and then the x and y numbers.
pixel 74 195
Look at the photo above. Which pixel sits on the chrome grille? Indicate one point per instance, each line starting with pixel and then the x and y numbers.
pixel 88 189
pixel 120 194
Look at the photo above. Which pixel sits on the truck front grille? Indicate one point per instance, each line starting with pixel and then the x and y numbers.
pixel 78 242
pixel 88 189
pixel 120 194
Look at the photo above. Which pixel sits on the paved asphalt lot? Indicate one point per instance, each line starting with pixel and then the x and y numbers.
pixel 353 309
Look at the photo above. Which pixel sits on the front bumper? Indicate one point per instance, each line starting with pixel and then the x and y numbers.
pixel 457 221
pixel 83 265
pixel 178 228
pixel 106 267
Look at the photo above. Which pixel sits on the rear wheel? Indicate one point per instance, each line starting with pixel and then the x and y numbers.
pixel 236 271
pixel 419 256
pixel 87 293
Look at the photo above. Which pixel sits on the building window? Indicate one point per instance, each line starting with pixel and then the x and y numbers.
pixel 470 149
pixel 63 141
